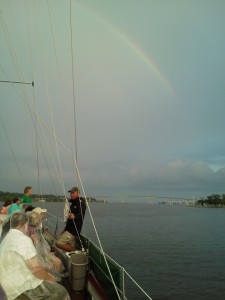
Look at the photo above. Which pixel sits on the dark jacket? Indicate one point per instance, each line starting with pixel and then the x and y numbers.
pixel 78 208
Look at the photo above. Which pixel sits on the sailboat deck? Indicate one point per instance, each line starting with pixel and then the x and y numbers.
pixel 74 295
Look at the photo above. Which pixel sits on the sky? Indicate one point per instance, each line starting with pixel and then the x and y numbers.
pixel 147 80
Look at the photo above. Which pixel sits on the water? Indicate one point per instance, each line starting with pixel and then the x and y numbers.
pixel 173 252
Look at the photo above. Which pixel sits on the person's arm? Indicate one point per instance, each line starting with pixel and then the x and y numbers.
pixel 38 270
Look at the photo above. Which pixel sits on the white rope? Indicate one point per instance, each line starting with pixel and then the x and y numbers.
pixel 56 143
pixel 13 52
pixel 99 267
pixel 11 148
pixel 60 173
pixel 34 113
pixel 95 229
pixel 62 93
pixel 29 37
pixel 137 285
pixel 73 78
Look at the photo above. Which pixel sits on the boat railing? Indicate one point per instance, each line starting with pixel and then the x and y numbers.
pixel 121 271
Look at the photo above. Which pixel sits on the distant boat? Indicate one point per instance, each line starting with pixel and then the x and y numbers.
pixel 40 200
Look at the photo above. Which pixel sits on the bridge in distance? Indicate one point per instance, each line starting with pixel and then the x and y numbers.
pixel 150 198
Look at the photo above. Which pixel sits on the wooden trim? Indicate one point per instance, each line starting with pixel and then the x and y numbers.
pixel 93 281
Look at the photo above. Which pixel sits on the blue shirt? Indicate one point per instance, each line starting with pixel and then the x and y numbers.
pixel 14 207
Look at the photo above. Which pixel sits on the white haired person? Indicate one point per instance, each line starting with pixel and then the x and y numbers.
pixel 22 274
pixel 42 212
pixel 41 245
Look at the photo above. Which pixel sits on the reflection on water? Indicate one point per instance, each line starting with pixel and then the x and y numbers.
pixel 173 252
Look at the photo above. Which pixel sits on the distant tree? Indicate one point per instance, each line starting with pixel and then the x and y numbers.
pixel 214 199
pixel 201 202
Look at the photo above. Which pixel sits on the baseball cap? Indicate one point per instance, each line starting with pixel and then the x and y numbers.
pixel 39 210
pixel 74 189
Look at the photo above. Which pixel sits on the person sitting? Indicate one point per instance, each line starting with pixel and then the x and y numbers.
pixel 70 236
pixel 41 212
pixel 43 249
pixel 5 229
pixel 29 208
pixel 15 206
pixel 22 274
pixel 2 293
pixel 6 206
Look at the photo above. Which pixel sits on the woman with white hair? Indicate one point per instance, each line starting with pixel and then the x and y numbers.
pixel 41 245
pixel 22 274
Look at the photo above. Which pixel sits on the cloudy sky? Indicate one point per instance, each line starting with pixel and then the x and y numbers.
pixel 149 95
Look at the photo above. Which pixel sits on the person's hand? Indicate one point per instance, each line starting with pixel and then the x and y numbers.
pixel 71 216
pixel 52 278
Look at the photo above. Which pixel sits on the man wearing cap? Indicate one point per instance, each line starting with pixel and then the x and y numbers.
pixel 70 235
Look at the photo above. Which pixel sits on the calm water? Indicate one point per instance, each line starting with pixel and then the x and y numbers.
pixel 173 252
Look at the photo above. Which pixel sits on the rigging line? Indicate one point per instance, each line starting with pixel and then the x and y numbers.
pixel 12 49
pixel 43 125
pixel 95 229
pixel 99 267
pixel 34 101
pixel 50 108
pixel 49 151
pixel 34 125
pixel 37 152
pixel 11 148
pixel 29 38
pixel 17 64
pixel 56 143
pixel 34 113
pixel 125 273
pixel 73 77
pixel 18 72
pixel 36 132
pixel 13 53
pixel 82 216
pixel 59 75
pixel 137 285
pixel 74 98
pixel 66 206
pixel 61 92
pixel 11 25
pixel 18 68
pixel 51 113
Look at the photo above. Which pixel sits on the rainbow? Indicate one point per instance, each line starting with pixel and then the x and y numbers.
pixel 132 45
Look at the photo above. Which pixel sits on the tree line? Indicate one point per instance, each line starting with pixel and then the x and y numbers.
pixel 212 200
pixel 35 198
